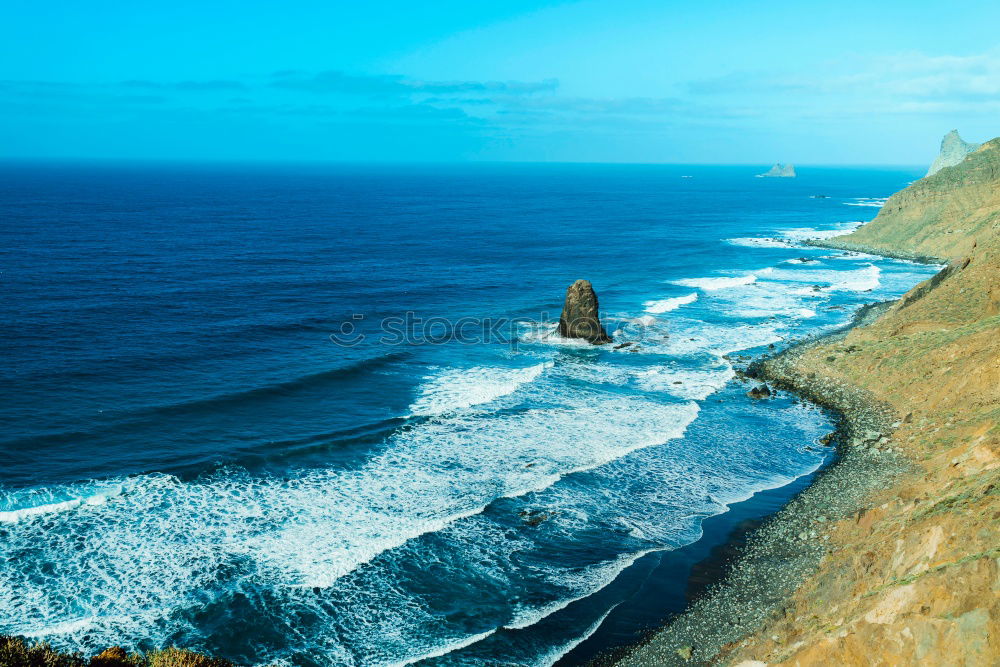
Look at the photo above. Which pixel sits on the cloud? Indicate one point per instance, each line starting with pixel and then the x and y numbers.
pixel 195 86
pixel 404 112
pixel 333 81
pixel 744 82
pixel 902 79
pixel 920 76
pixel 72 93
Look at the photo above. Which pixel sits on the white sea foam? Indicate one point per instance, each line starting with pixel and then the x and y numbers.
pixel 553 656
pixel 172 538
pixel 831 280
pixel 446 648
pixel 695 337
pixel 860 280
pixel 546 333
pixel 673 303
pixel 799 234
pixel 37 502
pixel 63 628
pixel 462 388
pixel 589 580
pixel 716 283
pixel 761 242
pixel 693 384
pixel 875 202
pixel 705 481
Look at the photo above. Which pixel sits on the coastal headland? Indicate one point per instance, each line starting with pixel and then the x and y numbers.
pixel 892 556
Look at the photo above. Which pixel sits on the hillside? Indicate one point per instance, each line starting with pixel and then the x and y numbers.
pixel 942 215
pixel 914 576
pixel 892 557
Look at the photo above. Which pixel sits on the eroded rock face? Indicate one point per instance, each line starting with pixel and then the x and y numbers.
pixel 953 151
pixel 580 315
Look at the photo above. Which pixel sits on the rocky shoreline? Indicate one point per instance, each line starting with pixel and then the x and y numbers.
pixel 871 250
pixel 779 555
pixel 890 557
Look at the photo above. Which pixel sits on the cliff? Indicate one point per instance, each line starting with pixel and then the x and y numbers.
pixel 913 577
pixel 779 171
pixel 953 151
pixel 892 557
pixel 942 215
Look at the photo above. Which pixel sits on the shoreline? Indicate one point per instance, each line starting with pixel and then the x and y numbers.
pixel 891 556
pixel 768 563
pixel 702 563
pixel 848 246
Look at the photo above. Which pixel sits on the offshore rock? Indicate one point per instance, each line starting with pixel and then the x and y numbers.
pixel 779 171
pixel 580 316
pixel 953 151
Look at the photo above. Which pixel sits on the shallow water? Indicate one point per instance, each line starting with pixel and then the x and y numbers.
pixel 191 457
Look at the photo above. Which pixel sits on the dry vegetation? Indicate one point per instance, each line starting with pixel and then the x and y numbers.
pixel 915 578
pixel 16 652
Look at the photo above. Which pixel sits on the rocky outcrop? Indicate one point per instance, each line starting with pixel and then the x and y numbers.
pixel 581 315
pixel 779 171
pixel 953 151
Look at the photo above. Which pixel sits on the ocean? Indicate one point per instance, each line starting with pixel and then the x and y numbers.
pixel 319 415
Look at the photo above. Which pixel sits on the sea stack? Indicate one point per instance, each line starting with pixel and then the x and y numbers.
pixel 953 150
pixel 779 171
pixel 580 316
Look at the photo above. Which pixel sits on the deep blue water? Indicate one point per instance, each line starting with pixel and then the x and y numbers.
pixel 190 457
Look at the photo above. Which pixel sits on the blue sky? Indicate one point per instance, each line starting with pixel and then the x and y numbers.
pixel 595 81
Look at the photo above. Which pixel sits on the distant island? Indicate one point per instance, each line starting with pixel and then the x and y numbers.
pixel 953 151
pixel 779 171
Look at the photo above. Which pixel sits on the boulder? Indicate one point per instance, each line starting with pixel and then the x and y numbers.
pixel 580 316
pixel 760 391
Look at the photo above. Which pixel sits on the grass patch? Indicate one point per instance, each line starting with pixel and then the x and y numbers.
pixel 16 652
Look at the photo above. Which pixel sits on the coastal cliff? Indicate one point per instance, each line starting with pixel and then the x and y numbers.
pixel 953 150
pixel 893 556
pixel 912 578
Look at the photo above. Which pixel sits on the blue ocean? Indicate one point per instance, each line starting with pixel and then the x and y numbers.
pixel 321 415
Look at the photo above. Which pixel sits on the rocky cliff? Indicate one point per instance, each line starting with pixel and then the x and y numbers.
pixel 892 557
pixel 913 577
pixel 953 151
pixel 942 215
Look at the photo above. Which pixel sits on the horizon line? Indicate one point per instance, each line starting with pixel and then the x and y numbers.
pixel 402 162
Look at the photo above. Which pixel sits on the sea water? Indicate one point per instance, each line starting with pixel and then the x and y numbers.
pixel 321 415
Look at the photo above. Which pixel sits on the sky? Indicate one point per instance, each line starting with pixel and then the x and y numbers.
pixel 726 82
